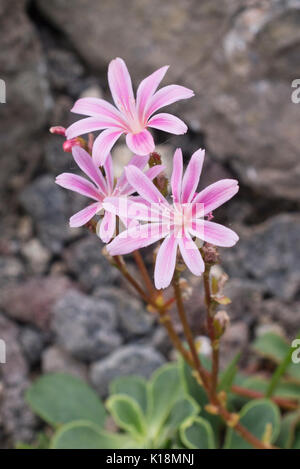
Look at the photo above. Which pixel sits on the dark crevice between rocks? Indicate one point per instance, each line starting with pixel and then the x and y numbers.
pixel 52 36
pixel 262 207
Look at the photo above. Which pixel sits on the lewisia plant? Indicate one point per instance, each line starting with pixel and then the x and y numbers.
pixel 177 222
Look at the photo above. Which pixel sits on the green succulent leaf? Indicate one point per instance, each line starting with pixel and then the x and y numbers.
pixel 289 431
pixel 133 386
pixel 42 442
pixel 127 414
pixel 259 417
pixel 183 409
pixel 283 366
pixel 228 376
pixel 296 442
pixel 197 433
pixel 275 348
pixel 286 389
pixel 164 390
pixel 272 346
pixel 197 392
pixel 86 435
pixel 60 398
pixel 293 372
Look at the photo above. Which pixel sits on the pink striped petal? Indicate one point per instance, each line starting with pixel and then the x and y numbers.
pixel 191 176
pixel 78 184
pixel 191 255
pixel 155 171
pixel 165 262
pixel 96 107
pixel 176 177
pixel 122 186
pixel 167 95
pixel 121 87
pixel 104 143
pixel 137 237
pixel 87 165
pixel 214 233
pixel 141 143
pixel 147 88
pixel 139 181
pixel 109 173
pixel 132 209
pixel 89 124
pixel 217 194
pixel 167 123
pixel 85 215
pixel 139 161
pixel 107 227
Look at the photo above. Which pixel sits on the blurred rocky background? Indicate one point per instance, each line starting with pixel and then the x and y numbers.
pixel 62 307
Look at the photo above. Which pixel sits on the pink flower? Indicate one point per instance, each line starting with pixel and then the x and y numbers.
pixel 100 188
pixel 177 223
pixel 130 116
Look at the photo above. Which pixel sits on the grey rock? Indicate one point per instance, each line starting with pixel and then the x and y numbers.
pixel 32 342
pixel 128 360
pixel 159 340
pixel 15 369
pixel 47 204
pixel 11 270
pixel 85 327
pixel 28 99
pixel 32 301
pixel 57 161
pixel 25 228
pixel 56 360
pixel 64 69
pixel 269 327
pixel 246 299
pixel 36 255
pixel 86 261
pixel 270 254
pixel 133 320
pixel 283 313
pixel 17 421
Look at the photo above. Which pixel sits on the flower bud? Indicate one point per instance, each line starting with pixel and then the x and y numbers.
pixel 58 130
pixel 233 420
pixel 161 183
pixel 210 254
pixel 69 144
pixel 221 322
pixel 211 409
pixel 154 159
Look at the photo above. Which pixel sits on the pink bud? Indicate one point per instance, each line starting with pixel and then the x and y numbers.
pixel 58 130
pixel 69 144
